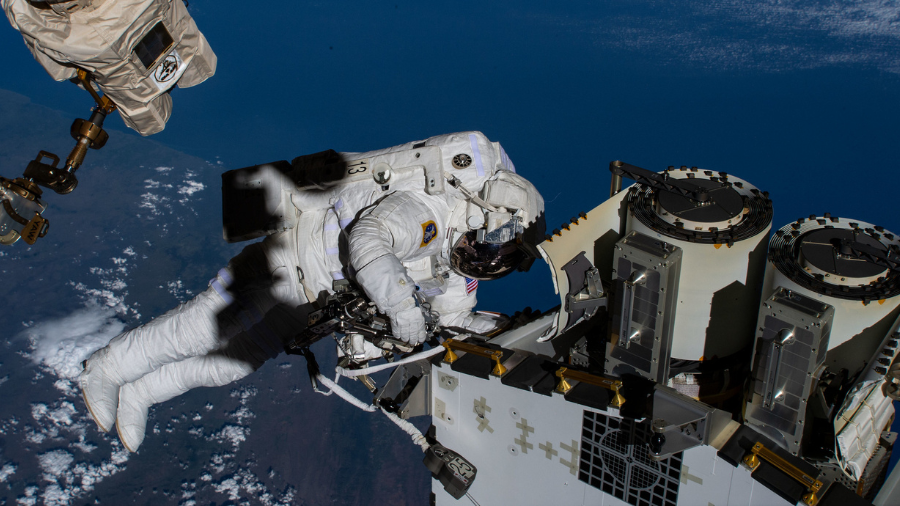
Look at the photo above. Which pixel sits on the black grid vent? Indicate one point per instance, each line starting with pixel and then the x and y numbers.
pixel 614 459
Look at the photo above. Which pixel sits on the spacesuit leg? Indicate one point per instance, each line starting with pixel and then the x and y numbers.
pixel 185 331
pixel 259 279
pixel 171 380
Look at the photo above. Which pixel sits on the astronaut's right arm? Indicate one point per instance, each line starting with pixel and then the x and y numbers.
pixel 390 231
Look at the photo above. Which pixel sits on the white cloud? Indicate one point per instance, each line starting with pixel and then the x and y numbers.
pixel 153 202
pixel 84 446
pixel 191 187
pixel 65 386
pixel 177 289
pixel 244 393
pixel 54 495
pixel 241 414
pixel 67 480
pixel 61 344
pixel 7 470
pixel 55 463
pixel 218 462
pixel 233 434
pixel 30 498
pixel 229 486
pixel 188 490
pixel 107 297
pixel 34 437
pixel 246 481
pixel 767 35
pixel 59 416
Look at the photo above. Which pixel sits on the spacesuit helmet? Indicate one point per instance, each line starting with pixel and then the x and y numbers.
pixel 502 235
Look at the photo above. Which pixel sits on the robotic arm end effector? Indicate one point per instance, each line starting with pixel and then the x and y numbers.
pixel 21 213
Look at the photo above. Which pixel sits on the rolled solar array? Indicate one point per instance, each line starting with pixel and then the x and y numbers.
pixel 805 256
pixel 826 322
pixel 723 242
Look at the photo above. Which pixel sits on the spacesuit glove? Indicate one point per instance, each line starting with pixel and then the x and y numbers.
pixel 408 324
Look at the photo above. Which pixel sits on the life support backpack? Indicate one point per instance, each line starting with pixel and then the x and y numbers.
pixel 264 199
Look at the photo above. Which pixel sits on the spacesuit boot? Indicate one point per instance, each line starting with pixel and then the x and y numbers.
pixel 131 422
pixel 216 369
pixel 100 389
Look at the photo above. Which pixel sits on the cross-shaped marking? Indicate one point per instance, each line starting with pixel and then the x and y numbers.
pixel 548 448
pixel 481 409
pixel 573 463
pixel 685 476
pixel 523 439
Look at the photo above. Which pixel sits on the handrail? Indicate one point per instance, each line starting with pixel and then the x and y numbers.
pixel 759 451
pixel 564 386
pixel 495 355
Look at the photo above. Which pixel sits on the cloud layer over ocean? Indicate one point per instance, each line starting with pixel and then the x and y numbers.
pixel 768 35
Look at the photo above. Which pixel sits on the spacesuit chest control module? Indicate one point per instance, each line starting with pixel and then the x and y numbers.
pixel 135 51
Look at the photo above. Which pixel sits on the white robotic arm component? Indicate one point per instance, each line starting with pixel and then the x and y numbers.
pixel 135 50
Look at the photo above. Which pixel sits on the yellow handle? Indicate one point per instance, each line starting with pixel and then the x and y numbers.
pixel 496 355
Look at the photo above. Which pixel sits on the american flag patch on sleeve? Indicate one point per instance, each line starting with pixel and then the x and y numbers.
pixel 471 285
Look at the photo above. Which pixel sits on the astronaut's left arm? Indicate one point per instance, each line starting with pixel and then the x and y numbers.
pixel 397 227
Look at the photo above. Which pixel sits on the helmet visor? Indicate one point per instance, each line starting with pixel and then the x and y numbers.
pixel 485 261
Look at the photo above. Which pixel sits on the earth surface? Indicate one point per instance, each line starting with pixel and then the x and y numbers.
pixel 131 242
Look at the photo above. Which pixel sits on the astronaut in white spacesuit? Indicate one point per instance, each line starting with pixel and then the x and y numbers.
pixel 388 221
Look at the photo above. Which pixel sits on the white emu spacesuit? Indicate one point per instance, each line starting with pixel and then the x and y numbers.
pixel 385 219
